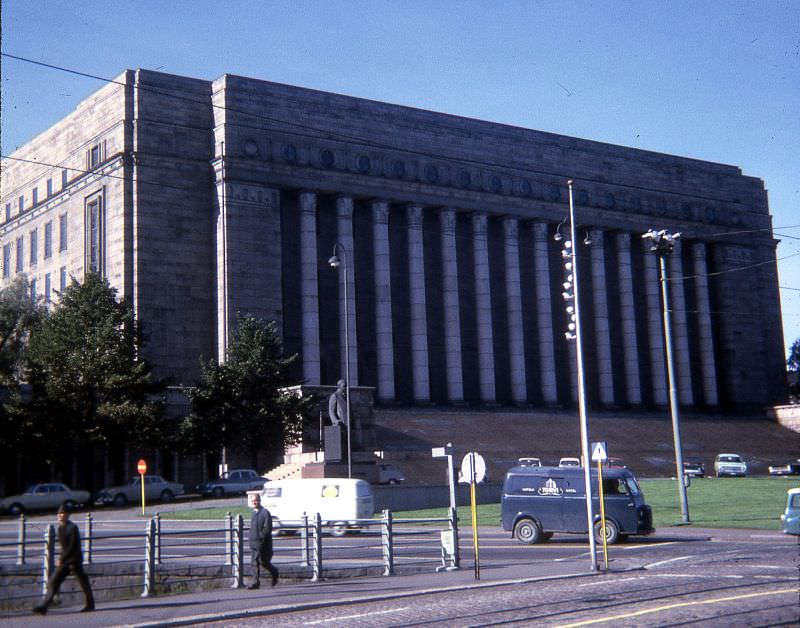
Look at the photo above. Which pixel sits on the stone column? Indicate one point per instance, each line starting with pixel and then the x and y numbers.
pixel 680 327
pixel 605 375
pixel 516 339
pixel 483 315
pixel 704 325
pixel 450 304
pixel 344 231
pixel 309 287
pixel 544 315
pixel 633 384
pixel 655 326
pixel 419 317
pixel 384 339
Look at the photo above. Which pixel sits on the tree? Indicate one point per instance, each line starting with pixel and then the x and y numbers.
pixel 90 382
pixel 240 403
pixel 18 315
pixel 793 365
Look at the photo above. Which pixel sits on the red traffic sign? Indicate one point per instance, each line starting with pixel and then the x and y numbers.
pixel 141 467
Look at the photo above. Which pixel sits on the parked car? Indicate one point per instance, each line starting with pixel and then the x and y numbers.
pixel 694 469
pixel 617 463
pixel 790 468
pixel 235 482
pixel 729 464
pixel 791 516
pixel 390 474
pixel 530 462
pixel 46 496
pixel 155 488
pixel 569 462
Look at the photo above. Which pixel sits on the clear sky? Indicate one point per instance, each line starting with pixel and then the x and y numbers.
pixel 716 80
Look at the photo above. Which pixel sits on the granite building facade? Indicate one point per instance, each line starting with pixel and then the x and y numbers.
pixel 198 200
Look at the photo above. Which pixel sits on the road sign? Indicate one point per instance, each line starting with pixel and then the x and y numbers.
pixel 599 451
pixel 141 467
pixel 473 468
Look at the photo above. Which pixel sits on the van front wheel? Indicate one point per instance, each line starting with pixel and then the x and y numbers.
pixel 612 532
pixel 527 531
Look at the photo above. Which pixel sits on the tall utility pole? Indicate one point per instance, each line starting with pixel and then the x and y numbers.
pixel 575 334
pixel 663 242
pixel 334 263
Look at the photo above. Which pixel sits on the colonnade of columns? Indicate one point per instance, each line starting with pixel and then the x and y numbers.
pixel 621 373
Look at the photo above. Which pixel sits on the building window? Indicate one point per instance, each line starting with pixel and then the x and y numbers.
pixel 49 188
pixel 33 290
pixel 34 247
pixel 47 288
pixel 6 260
pixel 21 204
pixel 8 212
pixel 20 254
pixel 94 156
pixel 48 240
pixel 62 282
pixel 64 179
pixel 62 232
pixel 35 196
pixel 94 234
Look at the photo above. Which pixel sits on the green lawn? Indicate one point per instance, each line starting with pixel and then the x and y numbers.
pixel 713 503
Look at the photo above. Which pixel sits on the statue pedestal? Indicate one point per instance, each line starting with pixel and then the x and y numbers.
pixel 335 445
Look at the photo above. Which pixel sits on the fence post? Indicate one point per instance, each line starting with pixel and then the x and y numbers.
pixel 316 551
pixel 21 540
pixel 238 553
pixel 87 539
pixel 387 543
pixel 157 519
pixel 454 530
pixel 149 559
pixel 304 549
pixel 228 539
pixel 49 556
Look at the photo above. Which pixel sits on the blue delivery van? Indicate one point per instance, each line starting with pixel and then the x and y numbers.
pixel 539 501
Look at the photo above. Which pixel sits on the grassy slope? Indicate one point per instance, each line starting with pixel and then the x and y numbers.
pixel 713 503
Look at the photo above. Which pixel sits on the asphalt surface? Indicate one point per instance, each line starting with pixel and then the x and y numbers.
pixel 227 603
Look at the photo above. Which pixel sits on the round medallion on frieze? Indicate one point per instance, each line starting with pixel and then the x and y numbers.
pixel 362 163
pixel 290 152
pixel 327 158
pixel 495 183
pixel 464 178
pixel 431 173
pixel 398 168
pixel 250 147
pixel 525 187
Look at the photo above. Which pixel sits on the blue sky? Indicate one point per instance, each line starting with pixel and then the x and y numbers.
pixel 714 80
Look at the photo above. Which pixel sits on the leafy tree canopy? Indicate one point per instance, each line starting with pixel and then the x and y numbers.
pixel 240 403
pixel 90 382
pixel 18 315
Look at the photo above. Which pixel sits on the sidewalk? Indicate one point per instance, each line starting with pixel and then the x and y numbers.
pixel 188 609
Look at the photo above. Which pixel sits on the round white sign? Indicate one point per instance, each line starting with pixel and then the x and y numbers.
pixel 472 466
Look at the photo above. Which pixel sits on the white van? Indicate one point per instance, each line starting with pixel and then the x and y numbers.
pixel 340 502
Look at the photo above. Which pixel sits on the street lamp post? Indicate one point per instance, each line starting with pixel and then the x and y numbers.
pixel 575 333
pixel 662 244
pixel 335 262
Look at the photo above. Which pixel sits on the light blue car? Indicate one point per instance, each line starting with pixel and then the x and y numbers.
pixel 791 518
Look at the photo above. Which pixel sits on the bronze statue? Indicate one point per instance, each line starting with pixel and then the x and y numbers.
pixel 337 404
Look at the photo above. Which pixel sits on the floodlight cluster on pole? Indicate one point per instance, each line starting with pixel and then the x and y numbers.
pixel 335 262
pixel 662 243
pixel 572 307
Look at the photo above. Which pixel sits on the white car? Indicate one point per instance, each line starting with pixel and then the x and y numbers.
pixel 47 496
pixel 569 462
pixel 730 464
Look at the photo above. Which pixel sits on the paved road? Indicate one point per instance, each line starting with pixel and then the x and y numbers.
pixel 681 576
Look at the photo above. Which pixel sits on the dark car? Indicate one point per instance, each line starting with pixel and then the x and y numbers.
pixel 790 468
pixel 694 469
pixel 234 482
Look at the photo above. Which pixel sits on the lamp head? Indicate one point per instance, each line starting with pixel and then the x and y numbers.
pixel 334 261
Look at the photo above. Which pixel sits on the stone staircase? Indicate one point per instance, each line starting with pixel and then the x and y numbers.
pixel 644 440
pixel 285 471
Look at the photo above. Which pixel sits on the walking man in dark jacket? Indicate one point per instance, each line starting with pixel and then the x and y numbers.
pixel 71 560
pixel 261 543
